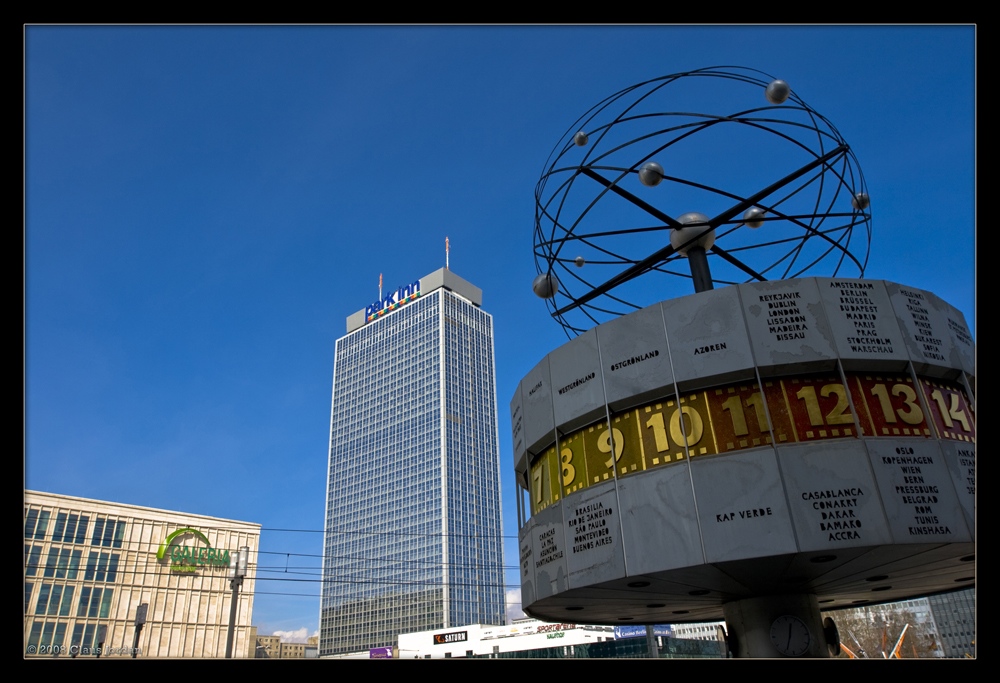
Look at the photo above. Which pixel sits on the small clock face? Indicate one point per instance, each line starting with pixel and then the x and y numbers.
pixel 790 636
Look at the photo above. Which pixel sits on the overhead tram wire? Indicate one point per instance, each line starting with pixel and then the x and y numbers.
pixel 380 533
pixel 85 548
pixel 51 536
pixel 222 576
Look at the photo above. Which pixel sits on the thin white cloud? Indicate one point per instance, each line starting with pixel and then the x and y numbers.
pixel 514 610
pixel 299 635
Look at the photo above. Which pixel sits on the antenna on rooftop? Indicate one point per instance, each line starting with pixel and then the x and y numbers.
pixel 446 250
pixel 380 286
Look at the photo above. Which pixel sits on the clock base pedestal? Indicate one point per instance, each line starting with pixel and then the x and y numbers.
pixel 777 626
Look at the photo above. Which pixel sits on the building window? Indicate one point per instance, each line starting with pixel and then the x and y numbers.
pixel 108 533
pixel 34 636
pixel 27 595
pixel 78 643
pixel 84 637
pixel 50 563
pixel 94 602
pixel 54 600
pixel 62 563
pixel 36 523
pixel 32 555
pixel 60 527
pixel 70 528
pixel 46 634
pixel 101 567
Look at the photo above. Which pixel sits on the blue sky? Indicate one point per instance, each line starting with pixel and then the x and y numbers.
pixel 206 205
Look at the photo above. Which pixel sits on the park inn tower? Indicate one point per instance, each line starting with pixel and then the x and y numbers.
pixel 413 530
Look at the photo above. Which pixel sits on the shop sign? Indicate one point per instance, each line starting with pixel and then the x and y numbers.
pixel 394 300
pixel 453 637
pixel 185 559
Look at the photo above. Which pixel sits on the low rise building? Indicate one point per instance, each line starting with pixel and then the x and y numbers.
pixel 273 647
pixel 91 566
pixel 268 647
pixel 709 630
pixel 531 638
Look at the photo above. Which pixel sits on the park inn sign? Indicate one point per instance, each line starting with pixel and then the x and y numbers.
pixel 189 559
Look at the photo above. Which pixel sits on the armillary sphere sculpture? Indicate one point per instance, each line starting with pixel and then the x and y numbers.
pixel 725 167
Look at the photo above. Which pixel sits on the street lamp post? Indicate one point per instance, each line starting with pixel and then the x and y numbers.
pixel 140 620
pixel 237 570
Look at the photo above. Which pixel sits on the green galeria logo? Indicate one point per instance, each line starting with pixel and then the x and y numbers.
pixel 188 559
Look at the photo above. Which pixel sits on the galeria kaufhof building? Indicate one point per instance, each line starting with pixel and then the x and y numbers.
pixel 90 564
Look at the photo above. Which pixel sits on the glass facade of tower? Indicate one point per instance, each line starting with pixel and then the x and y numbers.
pixel 413 530
pixel 955 617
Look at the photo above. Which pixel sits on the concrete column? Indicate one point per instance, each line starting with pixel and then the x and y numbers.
pixel 776 626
